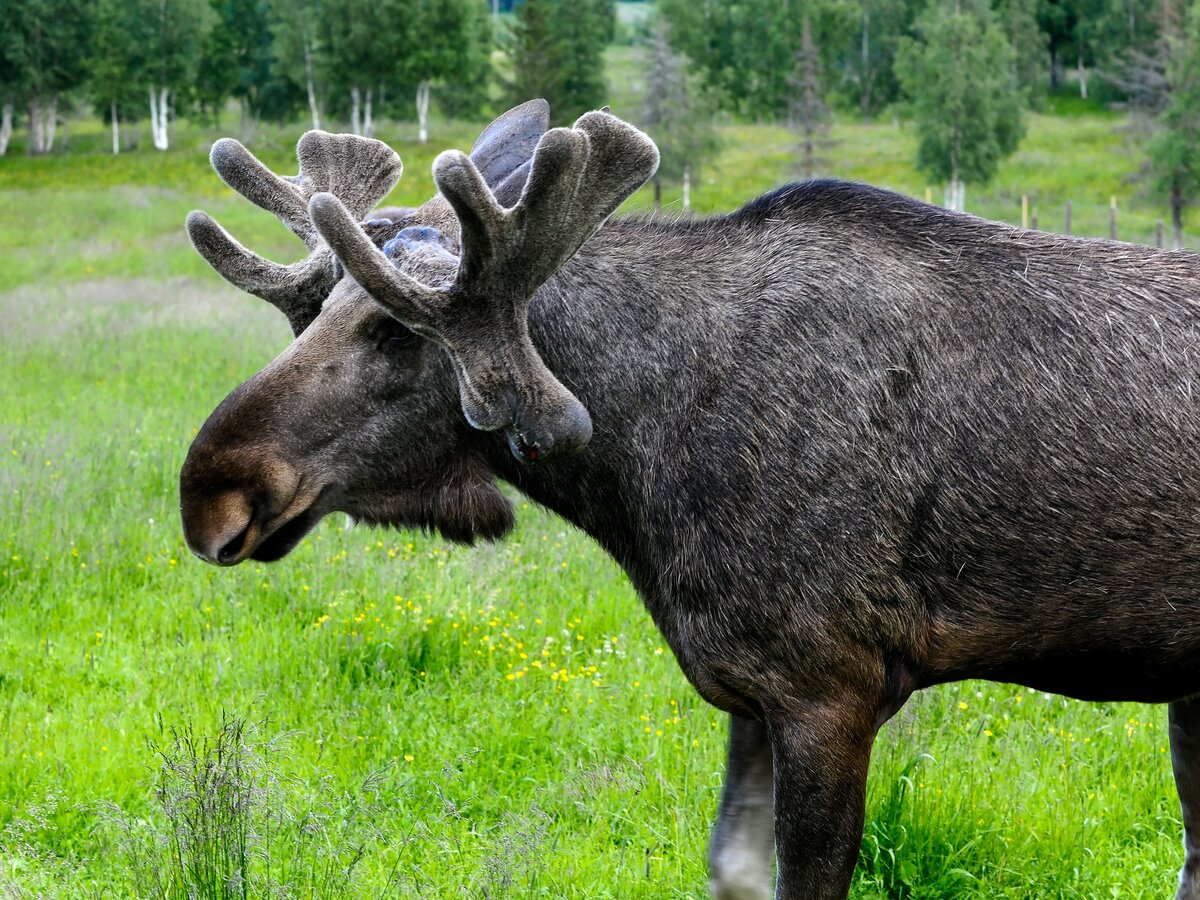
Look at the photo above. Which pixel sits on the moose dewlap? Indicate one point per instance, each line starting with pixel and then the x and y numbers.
pixel 845 445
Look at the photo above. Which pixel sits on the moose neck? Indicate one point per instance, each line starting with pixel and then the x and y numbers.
pixel 631 336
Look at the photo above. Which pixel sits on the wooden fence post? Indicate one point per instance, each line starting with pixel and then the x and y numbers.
pixel 1024 211
pixel 1067 219
pixel 1112 218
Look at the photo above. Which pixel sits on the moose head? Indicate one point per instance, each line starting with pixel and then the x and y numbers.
pixel 411 336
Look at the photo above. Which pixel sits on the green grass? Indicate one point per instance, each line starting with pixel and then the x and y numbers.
pixel 385 659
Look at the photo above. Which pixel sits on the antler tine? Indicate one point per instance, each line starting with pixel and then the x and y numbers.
pixel 578 178
pixel 411 302
pixel 359 170
pixel 296 290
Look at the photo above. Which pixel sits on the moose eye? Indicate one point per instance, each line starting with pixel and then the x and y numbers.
pixel 395 339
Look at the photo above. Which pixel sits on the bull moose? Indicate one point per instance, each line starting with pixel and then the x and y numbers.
pixel 846 445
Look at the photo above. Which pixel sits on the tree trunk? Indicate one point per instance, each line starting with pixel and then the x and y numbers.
pixel 37 140
pixel 423 112
pixel 159 103
pixel 1055 68
pixel 6 119
pixel 368 121
pixel 1082 77
pixel 49 122
pixel 1177 214
pixel 864 94
pixel 687 187
pixel 116 128
pixel 310 83
pixel 355 110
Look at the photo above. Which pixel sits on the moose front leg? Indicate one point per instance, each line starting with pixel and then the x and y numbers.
pixel 1185 760
pixel 820 758
pixel 743 841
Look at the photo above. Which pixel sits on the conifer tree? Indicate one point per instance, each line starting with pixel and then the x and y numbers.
pixel 807 111
pixel 1175 150
pixel 677 115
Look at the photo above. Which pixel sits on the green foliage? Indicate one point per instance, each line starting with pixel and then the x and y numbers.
pixel 114 78
pixel 46 44
pixel 677 114
pixel 450 48
pixel 960 78
pixel 557 52
pixel 866 54
pixel 745 47
pixel 1175 152
pixel 1018 20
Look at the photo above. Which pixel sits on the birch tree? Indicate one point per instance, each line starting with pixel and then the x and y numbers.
pixel 13 71
pixel 170 53
pixel 114 82
pixel 448 49
pixel 959 75
pixel 54 36
pixel 294 25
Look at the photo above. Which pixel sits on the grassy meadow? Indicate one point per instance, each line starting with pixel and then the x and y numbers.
pixel 398 717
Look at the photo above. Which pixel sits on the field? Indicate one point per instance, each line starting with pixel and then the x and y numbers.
pixel 397 716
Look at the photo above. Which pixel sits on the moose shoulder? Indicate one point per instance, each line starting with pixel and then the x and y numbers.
pixel 846 445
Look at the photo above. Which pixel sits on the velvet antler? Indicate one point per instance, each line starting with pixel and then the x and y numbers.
pixel 477 308
pixel 358 170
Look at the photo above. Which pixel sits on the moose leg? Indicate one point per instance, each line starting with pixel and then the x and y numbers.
pixel 1185 760
pixel 820 760
pixel 743 841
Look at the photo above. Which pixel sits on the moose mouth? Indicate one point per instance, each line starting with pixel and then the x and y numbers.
pixel 283 540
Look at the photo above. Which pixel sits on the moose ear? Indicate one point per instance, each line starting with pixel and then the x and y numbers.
pixel 505 148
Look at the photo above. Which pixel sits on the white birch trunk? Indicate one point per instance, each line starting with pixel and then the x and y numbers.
pixel 116 128
pixel 6 119
pixel 310 83
pixel 37 141
pixel 687 187
pixel 355 114
pixel 1082 80
pixel 50 118
pixel 163 114
pixel 158 117
pixel 368 121
pixel 423 111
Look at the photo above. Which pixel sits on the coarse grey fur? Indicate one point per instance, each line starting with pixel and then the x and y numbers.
pixel 846 445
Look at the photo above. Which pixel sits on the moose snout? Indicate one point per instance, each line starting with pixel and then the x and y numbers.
pixel 220 530
pixel 231 502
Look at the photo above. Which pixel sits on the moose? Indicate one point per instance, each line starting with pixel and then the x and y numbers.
pixel 845 444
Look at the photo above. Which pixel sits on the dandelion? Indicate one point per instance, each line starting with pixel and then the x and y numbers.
pixel 408 757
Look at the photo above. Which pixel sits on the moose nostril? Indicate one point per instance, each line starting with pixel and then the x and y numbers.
pixel 233 548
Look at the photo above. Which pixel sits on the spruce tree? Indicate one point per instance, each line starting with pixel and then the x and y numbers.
pixel 808 113
pixel 677 115
pixel 1175 150
pixel 960 78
